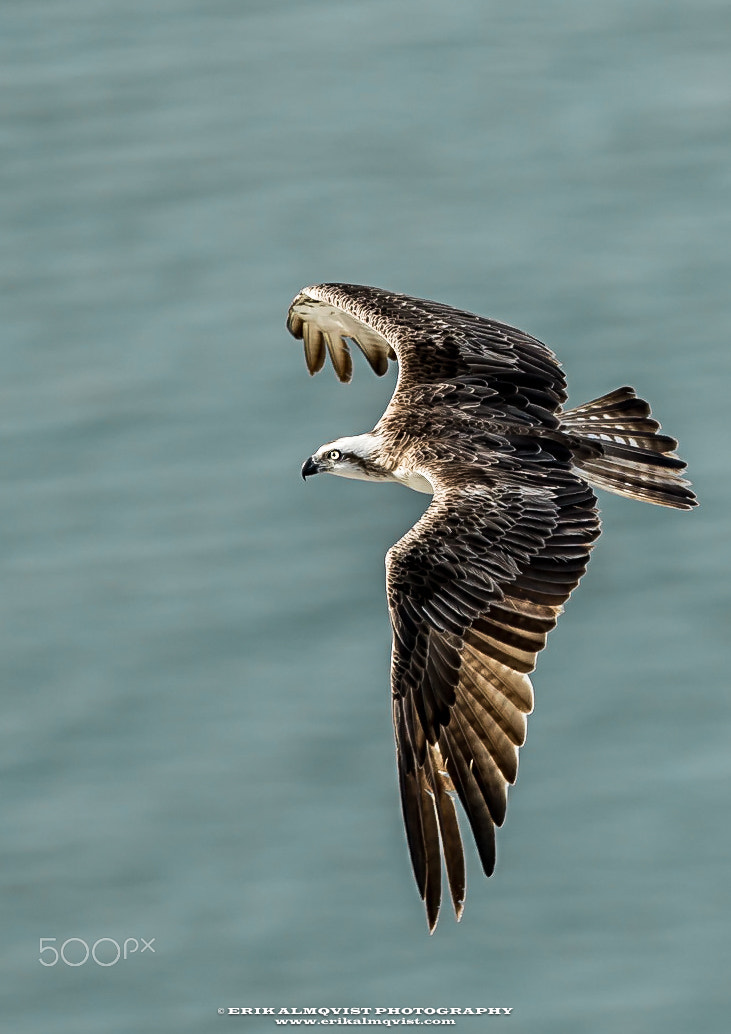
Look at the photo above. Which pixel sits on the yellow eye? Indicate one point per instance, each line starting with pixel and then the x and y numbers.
pixel 335 454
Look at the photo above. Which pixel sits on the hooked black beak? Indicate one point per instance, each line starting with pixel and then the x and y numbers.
pixel 310 467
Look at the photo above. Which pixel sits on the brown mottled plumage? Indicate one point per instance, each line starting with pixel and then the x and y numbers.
pixel 476 585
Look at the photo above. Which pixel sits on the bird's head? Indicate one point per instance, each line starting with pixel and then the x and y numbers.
pixel 348 458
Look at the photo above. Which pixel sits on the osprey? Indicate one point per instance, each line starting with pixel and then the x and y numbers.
pixel 477 421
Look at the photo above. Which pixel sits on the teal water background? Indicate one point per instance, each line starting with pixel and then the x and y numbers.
pixel 195 742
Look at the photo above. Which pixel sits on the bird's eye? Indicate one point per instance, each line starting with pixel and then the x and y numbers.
pixel 334 454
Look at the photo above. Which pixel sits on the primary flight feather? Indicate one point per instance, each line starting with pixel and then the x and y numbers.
pixel 477 421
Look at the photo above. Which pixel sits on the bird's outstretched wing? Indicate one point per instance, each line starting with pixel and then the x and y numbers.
pixel 473 589
pixel 487 363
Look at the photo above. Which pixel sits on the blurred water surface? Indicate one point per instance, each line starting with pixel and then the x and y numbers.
pixel 196 740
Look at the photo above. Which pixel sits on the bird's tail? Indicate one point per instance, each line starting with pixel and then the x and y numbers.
pixel 619 449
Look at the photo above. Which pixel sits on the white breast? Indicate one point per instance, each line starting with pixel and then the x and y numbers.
pixel 412 479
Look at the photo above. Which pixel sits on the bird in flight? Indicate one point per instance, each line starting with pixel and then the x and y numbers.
pixel 477 421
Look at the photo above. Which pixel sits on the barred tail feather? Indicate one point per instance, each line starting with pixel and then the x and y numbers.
pixel 634 460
